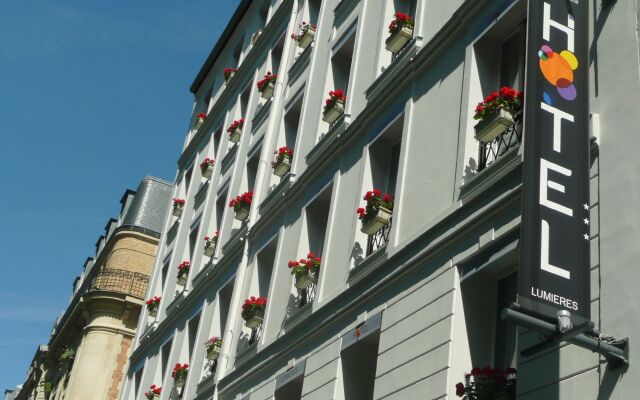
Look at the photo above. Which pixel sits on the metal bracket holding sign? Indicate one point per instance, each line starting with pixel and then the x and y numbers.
pixel 616 353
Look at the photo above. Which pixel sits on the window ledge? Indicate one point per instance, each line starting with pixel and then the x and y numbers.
pixel 366 266
pixel 245 354
pixel 299 316
pixel 328 141
pixel 236 240
pixel 177 301
pixel 173 231
pixel 261 116
pixel 206 385
pixel 270 202
pixel 228 159
pixel 491 175
pixel 300 63
pixel 383 83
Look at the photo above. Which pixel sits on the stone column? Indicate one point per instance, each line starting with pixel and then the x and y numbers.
pixel 104 348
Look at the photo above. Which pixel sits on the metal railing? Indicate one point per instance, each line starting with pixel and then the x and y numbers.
pixel 306 296
pixel 379 239
pixel 255 335
pixel 491 151
pixel 119 281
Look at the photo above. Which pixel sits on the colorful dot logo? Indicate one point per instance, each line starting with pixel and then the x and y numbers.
pixel 557 69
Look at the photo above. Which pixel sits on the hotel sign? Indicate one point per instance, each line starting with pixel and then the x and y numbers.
pixel 554 265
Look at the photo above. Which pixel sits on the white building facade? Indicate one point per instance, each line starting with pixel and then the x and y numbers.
pixel 405 311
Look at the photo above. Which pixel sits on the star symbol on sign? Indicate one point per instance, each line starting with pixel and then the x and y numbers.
pixel 586 221
pixel 586 206
pixel 586 237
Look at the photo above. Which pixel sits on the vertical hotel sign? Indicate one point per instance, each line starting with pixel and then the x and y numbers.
pixel 554 265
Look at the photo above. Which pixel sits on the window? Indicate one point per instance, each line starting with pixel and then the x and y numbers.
pixel 359 367
pixel 187 181
pixel 221 204
pixel 291 122
pixel 492 342
pixel 165 272
pixel 291 390
pixel 317 216
pixel 244 101
pixel 497 59
pixel 381 172
pixel 276 55
pixel 341 63
pixel 193 239
pixel 164 360
pixel 252 170
pixel 193 332
pixel 265 260
pixel 137 380
pixel 217 136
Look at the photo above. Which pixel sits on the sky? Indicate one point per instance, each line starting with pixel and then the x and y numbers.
pixel 94 95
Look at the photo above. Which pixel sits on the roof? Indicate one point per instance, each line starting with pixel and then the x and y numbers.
pixel 220 44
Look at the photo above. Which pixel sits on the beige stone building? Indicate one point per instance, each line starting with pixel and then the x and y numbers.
pixel 91 341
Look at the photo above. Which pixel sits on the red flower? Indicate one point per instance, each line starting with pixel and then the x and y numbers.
pixel 387 198
pixel 460 389
pixel 201 115
pixel 360 211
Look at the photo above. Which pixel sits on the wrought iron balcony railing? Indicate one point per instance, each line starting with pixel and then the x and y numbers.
pixel 379 239
pixel 489 152
pixel 119 281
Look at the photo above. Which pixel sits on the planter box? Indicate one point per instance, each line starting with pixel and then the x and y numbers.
pixel 227 78
pixel 153 312
pixel 494 125
pixel 281 168
pixel 210 248
pixel 177 210
pixel 331 115
pixel 306 279
pixel 198 123
pixel 379 221
pixel 213 353
pixel 242 213
pixel 267 92
pixel 256 320
pixel 398 40
pixel 235 135
pixel 207 171
pixel 182 279
pixel 256 36
pixel 308 38
pixel 179 382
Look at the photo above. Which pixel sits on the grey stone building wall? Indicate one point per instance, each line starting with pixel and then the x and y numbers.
pixel 408 316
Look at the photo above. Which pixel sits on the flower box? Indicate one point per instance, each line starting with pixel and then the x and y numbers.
pixel 306 278
pixel 256 36
pixel 177 210
pixel 182 279
pixel 229 73
pixel 206 167
pixel 213 346
pixel 179 374
pixel 152 306
pixel 267 92
pixel 210 247
pixel 199 121
pixel 183 273
pixel 253 311
pixel 153 393
pixel 255 320
pixel 494 125
pixel 307 37
pixel 235 135
pixel 377 222
pixel 334 112
pixel 242 213
pixel 283 166
pixel 213 354
pixel 399 39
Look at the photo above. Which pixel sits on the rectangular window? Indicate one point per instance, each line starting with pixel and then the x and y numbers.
pixel 164 360
pixel 252 170
pixel 276 55
pixel 291 123
pixel 291 391
pixel 165 273
pixel 265 259
pixel 341 63
pixel 193 332
pixel 193 239
pixel 137 380
pixel 359 368
pixel 221 204
pixel 512 58
pixel 317 216
pixel 244 101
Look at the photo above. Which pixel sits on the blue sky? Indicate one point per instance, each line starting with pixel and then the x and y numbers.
pixel 93 96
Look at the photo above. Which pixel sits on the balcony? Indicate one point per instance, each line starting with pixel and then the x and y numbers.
pixel 119 281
